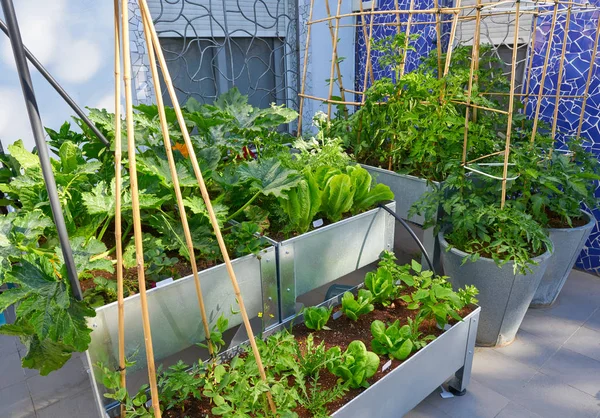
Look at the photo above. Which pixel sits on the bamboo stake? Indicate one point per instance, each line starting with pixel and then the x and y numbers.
pixel 213 219
pixel 347 102
pixel 135 203
pixel 589 80
pixel 406 43
pixel 337 63
pixel 561 68
pixel 485 156
pixel 564 96
pixel 397 16
pixel 333 55
pixel 491 109
pixel 511 103
pixel 365 35
pixel 304 70
pixel 538 105
pixel 470 88
pixel 175 178
pixel 118 225
pixel 451 41
pixel 438 25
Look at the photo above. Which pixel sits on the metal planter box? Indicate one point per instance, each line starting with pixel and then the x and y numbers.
pixel 402 389
pixel 321 256
pixel 410 383
pixel 503 295
pixel 175 315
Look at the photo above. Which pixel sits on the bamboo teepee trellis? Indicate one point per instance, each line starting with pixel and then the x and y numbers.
pixel 520 17
pixel 155 54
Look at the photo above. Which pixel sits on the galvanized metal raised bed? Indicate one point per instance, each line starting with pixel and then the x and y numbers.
pixel 407 385
pixel 323 255
pixel 175 316
pixel 403 388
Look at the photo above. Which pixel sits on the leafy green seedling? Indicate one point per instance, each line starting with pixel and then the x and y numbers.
pixel 353 308
pixel 382 285
pixel 316 318
pixel 397 341
pixel 355 365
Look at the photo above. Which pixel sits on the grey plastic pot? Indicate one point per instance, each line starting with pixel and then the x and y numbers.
pixel 503 296
pixel 568 243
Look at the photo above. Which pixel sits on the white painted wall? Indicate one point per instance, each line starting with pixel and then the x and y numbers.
pixel 320 51
pixel 74 40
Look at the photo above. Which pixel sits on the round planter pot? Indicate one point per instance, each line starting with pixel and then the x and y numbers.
pixel 568 243
pixel 503 296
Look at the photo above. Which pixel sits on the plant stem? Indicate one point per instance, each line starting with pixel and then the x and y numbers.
pixel 104 228
pixel 240 210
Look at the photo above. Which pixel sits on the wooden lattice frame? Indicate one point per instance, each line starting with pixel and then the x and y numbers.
pixel 453 15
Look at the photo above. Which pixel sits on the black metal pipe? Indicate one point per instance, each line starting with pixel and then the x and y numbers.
pixel 412 234
pixel 38 133
pixel 38 65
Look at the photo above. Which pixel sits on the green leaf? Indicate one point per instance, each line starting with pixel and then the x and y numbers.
pixel 100 200
pixel 83 252
pixel 337 197
pixel 269 177
pixel 25 158
pixel 45 355
pixel 302 203
pixel 416 266
pixel 70 157
pixel 11 296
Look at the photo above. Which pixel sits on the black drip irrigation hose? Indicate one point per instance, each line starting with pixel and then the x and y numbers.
pixel 412 234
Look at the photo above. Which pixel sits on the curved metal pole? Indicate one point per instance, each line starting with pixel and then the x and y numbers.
pixel 52 81
pixel 38 132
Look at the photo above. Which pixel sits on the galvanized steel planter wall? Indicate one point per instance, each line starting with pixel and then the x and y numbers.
pixel 407 385
pixel 175 315
pixel 568 243
pixel 321 256
pixel 407 189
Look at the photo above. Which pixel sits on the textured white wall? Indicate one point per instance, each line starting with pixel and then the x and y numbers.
pixel 74 40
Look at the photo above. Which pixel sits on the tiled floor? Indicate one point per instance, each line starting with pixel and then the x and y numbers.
pixel 551 370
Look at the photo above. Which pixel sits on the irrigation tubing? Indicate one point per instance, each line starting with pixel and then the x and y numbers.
pixel 52 81
pixel 38 134
pixel 412 234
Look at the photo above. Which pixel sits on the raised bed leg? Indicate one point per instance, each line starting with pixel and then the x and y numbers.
pixel 458 385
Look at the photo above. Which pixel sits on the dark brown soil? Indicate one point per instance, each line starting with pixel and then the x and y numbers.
pixel 555 221
pixel 342 332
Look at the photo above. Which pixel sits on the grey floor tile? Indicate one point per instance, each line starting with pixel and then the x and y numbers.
pixel 585 341
pixel 15 402
pixel 593 321
pixel 529 349
pixel 574 307
pixel 10 369
pixel 71 380
pixel 549 327
pixel 81 405
pixel 426 410
pixel 576 370
pixel 500 373
pixel 582 284
pixel 478 402
pixel 550 398
pixel 8 345
pixel 512 410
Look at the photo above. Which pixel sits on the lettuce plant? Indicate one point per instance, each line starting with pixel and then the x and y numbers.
pixel 397 341
pixel 316 317
pixel 381 284
pixel 355 307
pixel 356 365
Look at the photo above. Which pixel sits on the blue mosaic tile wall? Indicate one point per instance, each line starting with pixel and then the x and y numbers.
pixel 580 41
pixel 426 41
pixel 580 44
